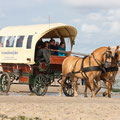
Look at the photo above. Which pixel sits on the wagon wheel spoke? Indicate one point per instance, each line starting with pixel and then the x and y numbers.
pixel 67 88
pixel 39 85
pixel 5 82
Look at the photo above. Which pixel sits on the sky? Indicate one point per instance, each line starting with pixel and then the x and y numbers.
pixel 97 21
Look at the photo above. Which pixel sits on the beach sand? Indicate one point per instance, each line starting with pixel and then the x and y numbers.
pixel 20 102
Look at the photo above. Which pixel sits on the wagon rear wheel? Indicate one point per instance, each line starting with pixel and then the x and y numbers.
pixel 67 88
pixel 5 82
pixel 40 85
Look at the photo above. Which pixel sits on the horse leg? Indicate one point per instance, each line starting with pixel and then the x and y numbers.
pixel 86 86
pixel 92 87
pixel 108 91
pixel 74 84
pixel 62 83
pixel 98 85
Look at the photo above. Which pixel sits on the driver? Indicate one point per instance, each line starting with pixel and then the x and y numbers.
pixel 43 53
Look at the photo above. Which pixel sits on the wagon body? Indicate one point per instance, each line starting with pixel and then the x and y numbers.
pixel 17 51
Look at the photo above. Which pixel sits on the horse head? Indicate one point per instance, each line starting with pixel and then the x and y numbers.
pixel 116 55
pixel 119 57
pixel 107 57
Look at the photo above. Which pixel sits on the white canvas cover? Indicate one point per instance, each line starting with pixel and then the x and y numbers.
pixel 22 54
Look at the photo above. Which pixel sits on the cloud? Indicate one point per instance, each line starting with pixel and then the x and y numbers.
pixel 113 14
pixel 21 3
pixel 2 15
pixel 115 27
pixel 77 20
pixel 90 28
pixel 94 3
pixel 38 19
pixel 94 16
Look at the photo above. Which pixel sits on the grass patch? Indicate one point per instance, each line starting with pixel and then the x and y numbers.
pixel 5 117
pixel 115 90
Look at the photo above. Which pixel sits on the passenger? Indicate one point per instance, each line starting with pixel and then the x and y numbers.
pixel 43 54
pixel 47 45
pixel 56 47
pixel 62 48
pixel 40 43
pixel 52 46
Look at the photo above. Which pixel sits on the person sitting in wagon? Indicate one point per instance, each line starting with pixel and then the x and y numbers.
pixel 53 47
pixel 43 53
pixel 61 48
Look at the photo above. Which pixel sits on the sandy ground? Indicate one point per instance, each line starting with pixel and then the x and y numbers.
pixel 52 107
pixel 20 102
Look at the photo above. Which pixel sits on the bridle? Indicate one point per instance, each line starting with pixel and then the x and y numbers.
pixel 108 54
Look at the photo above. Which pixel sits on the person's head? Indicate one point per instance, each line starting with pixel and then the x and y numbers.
pixel 52 42
pixel 39 46
pixel 46 44
pixel 57 43
pixel 62 45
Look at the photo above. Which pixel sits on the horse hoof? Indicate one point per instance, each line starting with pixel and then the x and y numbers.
pixel 60 95
pixel 93 96
pixel 104 94
pixel 76 95
pixel 109 96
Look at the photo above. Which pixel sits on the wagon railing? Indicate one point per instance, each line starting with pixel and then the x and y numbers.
pixel 69 52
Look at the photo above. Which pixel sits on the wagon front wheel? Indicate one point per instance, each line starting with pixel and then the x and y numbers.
pixel 67 88
pixel 40 85
pixel 5 82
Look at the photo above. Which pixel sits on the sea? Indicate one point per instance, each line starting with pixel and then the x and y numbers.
pixel 116 85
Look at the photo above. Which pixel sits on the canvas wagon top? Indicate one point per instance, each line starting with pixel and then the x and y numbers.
pixel 18 43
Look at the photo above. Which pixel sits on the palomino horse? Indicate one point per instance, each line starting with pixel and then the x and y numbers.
pixel 74 67
pixel 109 76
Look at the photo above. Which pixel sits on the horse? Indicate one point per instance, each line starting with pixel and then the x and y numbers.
pixel 108 77
pixel 119 58
pixel 76 67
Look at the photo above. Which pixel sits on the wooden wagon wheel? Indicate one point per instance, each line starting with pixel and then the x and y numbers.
pixel 67 88
pixel 5 82
pixel 40 85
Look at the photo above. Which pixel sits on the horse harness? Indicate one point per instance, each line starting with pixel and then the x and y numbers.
pixel 83 69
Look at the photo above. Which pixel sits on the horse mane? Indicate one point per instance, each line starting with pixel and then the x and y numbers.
pixel 99 49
